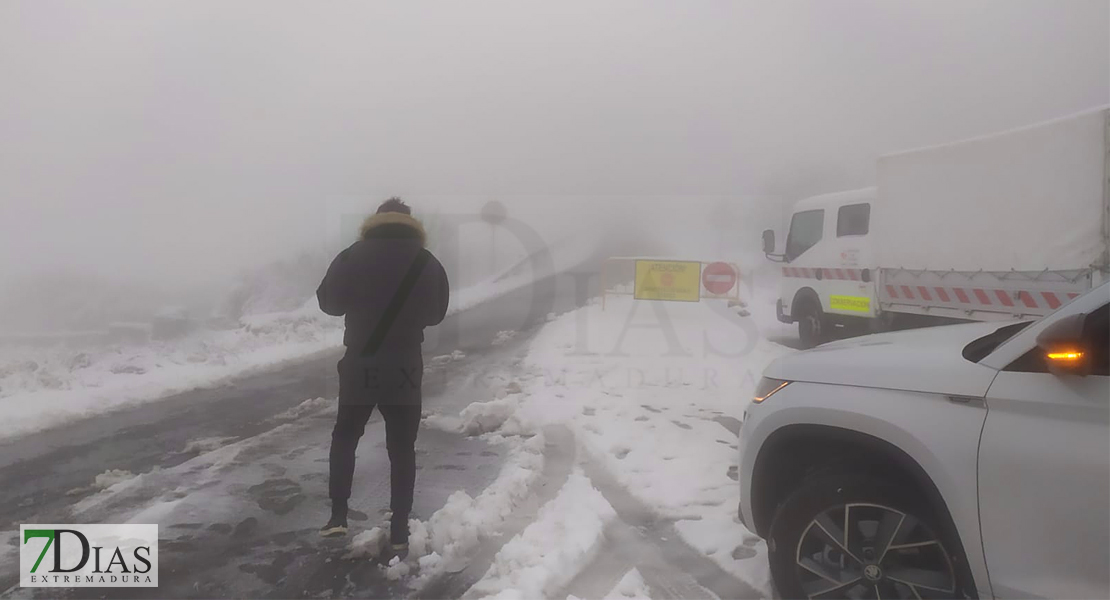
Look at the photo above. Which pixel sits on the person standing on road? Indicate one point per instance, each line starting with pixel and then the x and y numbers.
pixel 388 287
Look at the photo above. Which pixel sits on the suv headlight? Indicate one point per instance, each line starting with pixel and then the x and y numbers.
pixel 766 388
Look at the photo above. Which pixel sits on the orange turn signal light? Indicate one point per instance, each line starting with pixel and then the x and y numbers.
pixel 1066 356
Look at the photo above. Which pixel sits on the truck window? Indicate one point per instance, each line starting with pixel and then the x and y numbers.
pixel 805 231
pixel 853 219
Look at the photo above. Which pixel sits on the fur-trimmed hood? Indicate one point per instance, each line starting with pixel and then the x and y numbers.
pixel 393 225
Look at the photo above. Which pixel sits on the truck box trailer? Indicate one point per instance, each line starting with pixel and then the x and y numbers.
pixel 1004 226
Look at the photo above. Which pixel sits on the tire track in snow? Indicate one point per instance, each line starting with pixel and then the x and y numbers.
pixel 638 538
pixel 559 457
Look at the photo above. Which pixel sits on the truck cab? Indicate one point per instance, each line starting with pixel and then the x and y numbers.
pixel 941 245
pixel 828 271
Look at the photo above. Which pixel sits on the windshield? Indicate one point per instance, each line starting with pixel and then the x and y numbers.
pixel 805 231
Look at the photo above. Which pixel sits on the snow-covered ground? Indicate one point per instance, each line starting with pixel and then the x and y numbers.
pixel 42 387
pixel 617 429
pixel 653 394
pixel 45 386
pixel 553 549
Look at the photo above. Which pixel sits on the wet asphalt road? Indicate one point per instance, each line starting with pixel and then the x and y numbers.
pixel 45 474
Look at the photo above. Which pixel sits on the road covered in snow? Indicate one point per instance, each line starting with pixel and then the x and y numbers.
pixel 98 450
pixel 589 454
pixel 638 405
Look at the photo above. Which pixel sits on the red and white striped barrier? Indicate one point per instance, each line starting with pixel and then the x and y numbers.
pixel 1002 292
pixel 980 297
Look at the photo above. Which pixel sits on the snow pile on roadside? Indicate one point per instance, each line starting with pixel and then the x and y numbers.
pixel 654 392
pixel 368 543
pixel 312 405
pixel 503 337
pixel 111 477
pixel 208 444
pixel 454 531
pixel 456 528
pixel 550 551
pixel 631 587
pixel 495 415
pixel 477 418
pixel 43 387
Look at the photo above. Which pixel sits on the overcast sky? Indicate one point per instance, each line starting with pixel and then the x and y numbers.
pixel 189 138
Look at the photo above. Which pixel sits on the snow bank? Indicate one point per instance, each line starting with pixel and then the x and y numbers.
pixel 457 528
pixel 368 544
pixel 452 534
pixel 631 587
pixel 44 387
pixel 111 477
pixel 550 551
pixel 208 444
pixel 306 407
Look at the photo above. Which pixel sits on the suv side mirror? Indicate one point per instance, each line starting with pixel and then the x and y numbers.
pixel 768 241
pixel 1063 346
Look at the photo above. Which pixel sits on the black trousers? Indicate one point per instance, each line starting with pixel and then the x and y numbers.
pixel 402 421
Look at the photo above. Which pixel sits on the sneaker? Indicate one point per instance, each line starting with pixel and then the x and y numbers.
pixel 336 527
pixel 337 524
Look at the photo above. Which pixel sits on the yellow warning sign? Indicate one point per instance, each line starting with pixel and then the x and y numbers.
pixel 668 280
pixel 850 303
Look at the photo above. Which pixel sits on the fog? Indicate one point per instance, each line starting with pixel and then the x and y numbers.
pixel 176 143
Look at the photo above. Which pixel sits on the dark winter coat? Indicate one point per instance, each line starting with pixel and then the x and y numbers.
pixel 359 285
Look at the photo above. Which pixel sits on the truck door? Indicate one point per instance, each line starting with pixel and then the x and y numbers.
pixel 847 293
pixel 807 228
pixel 1044 476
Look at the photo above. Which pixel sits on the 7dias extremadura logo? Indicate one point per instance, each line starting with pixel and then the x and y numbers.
pixel 88 555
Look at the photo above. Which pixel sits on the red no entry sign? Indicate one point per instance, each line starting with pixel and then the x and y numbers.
pixel 718 277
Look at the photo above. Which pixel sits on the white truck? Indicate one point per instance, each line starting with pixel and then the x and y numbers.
pixel 1005 226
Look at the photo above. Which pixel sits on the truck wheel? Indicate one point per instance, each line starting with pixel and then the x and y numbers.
pixel 813 326
pixel 847 534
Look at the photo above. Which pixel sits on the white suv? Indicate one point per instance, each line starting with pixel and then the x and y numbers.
pixel 959 461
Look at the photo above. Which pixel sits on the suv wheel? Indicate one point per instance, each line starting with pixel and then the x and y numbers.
pixel 847 535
